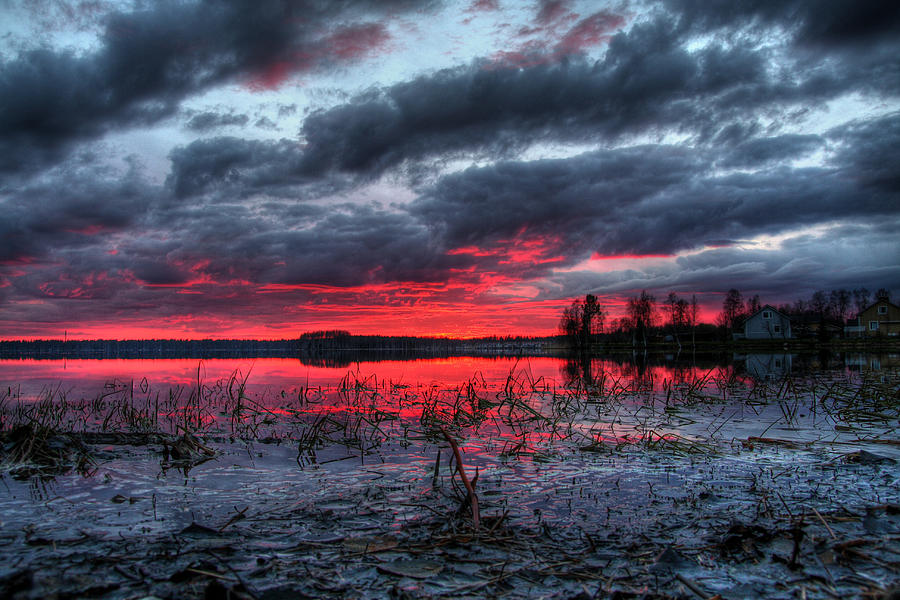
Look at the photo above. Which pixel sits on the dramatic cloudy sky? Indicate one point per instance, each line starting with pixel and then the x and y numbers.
pixel 261 168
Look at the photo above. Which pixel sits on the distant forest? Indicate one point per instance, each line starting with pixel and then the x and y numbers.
pixel 323 348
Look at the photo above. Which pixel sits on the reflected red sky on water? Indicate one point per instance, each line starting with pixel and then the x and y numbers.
pixel 276 374
pixel 88 377
pixel 495 405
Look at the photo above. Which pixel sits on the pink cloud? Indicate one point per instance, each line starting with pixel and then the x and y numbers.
pixel 272 77
pixel 550 41
pixel 588 32
pixel 530 54
pixel 552 11
pixel 596 256
pixel 484 5
pixel 357 41
pixel 347 43
pixel 521 250
pixel 86 230
pixel 93 285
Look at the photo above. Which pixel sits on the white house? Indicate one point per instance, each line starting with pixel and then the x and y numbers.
pixel 767 324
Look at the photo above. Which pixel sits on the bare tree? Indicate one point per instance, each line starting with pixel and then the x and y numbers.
pixel 570 322
pixel 840 301
pixel 676 308
pixel 641 315
pixel 693 314
pixel 581 322
pixel 732 309
pixel 753 305
pixel 861 299
pixel 591 319
pixel 819 303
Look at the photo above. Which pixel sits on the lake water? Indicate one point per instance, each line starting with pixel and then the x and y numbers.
pixel 524 407
pixel 336 472
pixel 273 374
pixel 87 376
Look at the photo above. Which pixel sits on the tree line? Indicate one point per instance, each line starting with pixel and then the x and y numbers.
pixel 155 348
pixel 584 322
pixel 833 305
pixel 337 346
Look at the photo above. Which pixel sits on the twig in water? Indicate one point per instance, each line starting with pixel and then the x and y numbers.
pixel 691 586
pixel 240 514
pixel 834 537
pixel 462 475
pixel 437 464
pixel 250 590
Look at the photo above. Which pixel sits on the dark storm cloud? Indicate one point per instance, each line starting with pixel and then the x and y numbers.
pixel 71 206
pixel 662 199
pixel 836 259
pixel 641 84
pixel 647 199
pixel 648 82
pixel 821 22
pixel 223 252
pixel 158 272
pixel 266 123
pixel 650 199
pixel 869 152
pixel 840 22
pixel 356 246
pixel 762 151
pixel 568 197
pixel 840 45
pixel 211 120
pixel 227 162
pixel 645 82
pixel 147 61
pixel 344 245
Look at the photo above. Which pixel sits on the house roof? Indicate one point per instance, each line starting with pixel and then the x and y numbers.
pixel 876 303
pixel 855 320
pixel 765 307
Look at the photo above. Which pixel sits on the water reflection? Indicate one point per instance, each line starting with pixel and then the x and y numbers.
pixel 641 370
pixel 766 366
pixel 86 379
pixel 873 362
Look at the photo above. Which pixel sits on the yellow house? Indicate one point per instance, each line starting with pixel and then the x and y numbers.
pixel 881 318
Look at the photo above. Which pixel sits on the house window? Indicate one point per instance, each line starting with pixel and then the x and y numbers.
pixel 882 310
pixel 777 328
pixel 873 325
pixel 767 314
pixel 777 363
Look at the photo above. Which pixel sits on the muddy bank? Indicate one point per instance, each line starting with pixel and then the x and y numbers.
pixel 775 500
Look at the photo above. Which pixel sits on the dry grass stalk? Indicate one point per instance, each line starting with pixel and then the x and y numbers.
pixel 476 516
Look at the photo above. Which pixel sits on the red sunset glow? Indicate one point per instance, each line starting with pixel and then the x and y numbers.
pixel 371 310
pixel 456 169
